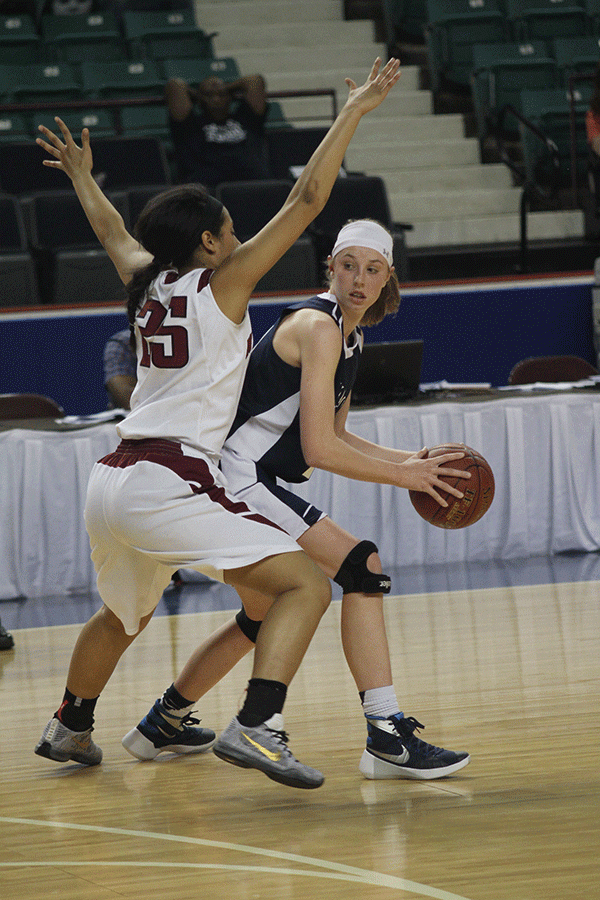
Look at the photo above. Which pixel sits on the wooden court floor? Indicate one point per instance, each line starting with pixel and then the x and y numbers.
pixel 510 674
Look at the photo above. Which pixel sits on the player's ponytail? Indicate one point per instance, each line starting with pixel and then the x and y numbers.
pixel 170 227
pixel 138 287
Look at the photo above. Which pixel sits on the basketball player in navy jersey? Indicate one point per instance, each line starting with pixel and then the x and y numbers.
pixel 292 417
pixel 159 502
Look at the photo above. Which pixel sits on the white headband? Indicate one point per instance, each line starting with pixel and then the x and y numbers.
pixel 365 234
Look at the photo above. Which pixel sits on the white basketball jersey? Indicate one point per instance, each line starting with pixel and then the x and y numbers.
pixel 191 361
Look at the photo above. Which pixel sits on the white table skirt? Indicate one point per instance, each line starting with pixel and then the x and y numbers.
pixel 544 450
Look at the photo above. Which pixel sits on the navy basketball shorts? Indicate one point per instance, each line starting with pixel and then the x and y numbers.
pixel 247 482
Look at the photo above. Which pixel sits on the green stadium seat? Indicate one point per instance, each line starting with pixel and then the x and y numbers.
pixel 146 121
pixel 136 199
pixel 166 35
pixel 122 79
pixel 275 117
pixel 543 20
pixel 14 127
pixel 454 27
pixel 404 18
pixel 73 267
pixel 196 70
pixel 576 55
pixel 38 83
pixel 74 39
pixel 501 72
pixel 550 112
pixel 592 9
pixel 291 147
pixel 19 41
pixel 251 205
pixel 100 122
pixel 17 267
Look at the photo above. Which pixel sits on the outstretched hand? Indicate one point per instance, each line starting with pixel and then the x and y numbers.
pixel 67 155
pixel 376 87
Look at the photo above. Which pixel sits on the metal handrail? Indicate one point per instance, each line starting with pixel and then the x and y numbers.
pixel 119 102
pixel 530 186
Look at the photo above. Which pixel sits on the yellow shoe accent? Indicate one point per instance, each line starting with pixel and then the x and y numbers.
pixel 274 757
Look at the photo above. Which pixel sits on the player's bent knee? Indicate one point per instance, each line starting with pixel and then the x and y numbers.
pixel 354 575
pixel 314 581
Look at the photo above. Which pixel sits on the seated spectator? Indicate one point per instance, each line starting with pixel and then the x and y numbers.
pixel 592 117
pixel 218 129
pixel 120 374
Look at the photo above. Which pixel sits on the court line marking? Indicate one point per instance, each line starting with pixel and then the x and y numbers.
pixel 337 871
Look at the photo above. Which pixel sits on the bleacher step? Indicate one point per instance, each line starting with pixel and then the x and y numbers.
pixel 407 128
pixel 237 37
pixel 411 103
pixel 286 79
pixel 494 229
pixel 444 204
pixel 445 178
pixel 247 12
pixel 278 59
pixel 413 154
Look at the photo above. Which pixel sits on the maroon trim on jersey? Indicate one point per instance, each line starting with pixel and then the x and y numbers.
pixel 204 279
pixel 192 469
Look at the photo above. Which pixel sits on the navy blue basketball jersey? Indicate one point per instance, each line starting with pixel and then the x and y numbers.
pixel 266 428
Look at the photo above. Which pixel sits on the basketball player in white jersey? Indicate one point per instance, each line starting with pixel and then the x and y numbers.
pixel 292 416
pixel 158 503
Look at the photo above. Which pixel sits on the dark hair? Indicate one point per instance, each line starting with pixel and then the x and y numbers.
pixel 595 101
pixel 170 227
pixel 389 298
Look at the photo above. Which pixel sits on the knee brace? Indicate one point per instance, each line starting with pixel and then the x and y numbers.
pixel 354 576
pixel 247 626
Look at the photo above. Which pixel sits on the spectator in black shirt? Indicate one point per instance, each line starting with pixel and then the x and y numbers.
pixel 218 129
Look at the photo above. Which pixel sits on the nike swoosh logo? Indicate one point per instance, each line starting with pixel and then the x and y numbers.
pixel 274 757
pixel 398 760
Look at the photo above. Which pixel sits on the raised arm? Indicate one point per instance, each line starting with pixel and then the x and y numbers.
pixel 253 89
pixel 180 97
pixel 77 162
pixel 234 281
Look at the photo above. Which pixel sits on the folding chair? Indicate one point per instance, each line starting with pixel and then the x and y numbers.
pixel 551 369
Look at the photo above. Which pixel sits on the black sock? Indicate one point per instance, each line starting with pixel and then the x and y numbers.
pixel 263 699
pixel 76 713
pixel 172 699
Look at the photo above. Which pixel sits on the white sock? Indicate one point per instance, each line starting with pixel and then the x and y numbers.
pixel 380 703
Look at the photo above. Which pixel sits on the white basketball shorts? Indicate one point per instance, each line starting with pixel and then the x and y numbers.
pixel 152 509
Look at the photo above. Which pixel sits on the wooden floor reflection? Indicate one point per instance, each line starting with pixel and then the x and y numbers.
pixel 510 674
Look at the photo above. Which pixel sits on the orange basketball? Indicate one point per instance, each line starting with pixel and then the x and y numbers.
pixel 478 491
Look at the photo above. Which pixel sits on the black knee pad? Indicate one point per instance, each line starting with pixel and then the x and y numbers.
pixel 354 576
pixel 247 626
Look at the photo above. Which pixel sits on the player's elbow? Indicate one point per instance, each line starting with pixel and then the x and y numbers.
pixel 316 454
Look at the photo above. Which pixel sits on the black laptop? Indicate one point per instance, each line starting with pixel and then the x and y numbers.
pixel 388 373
